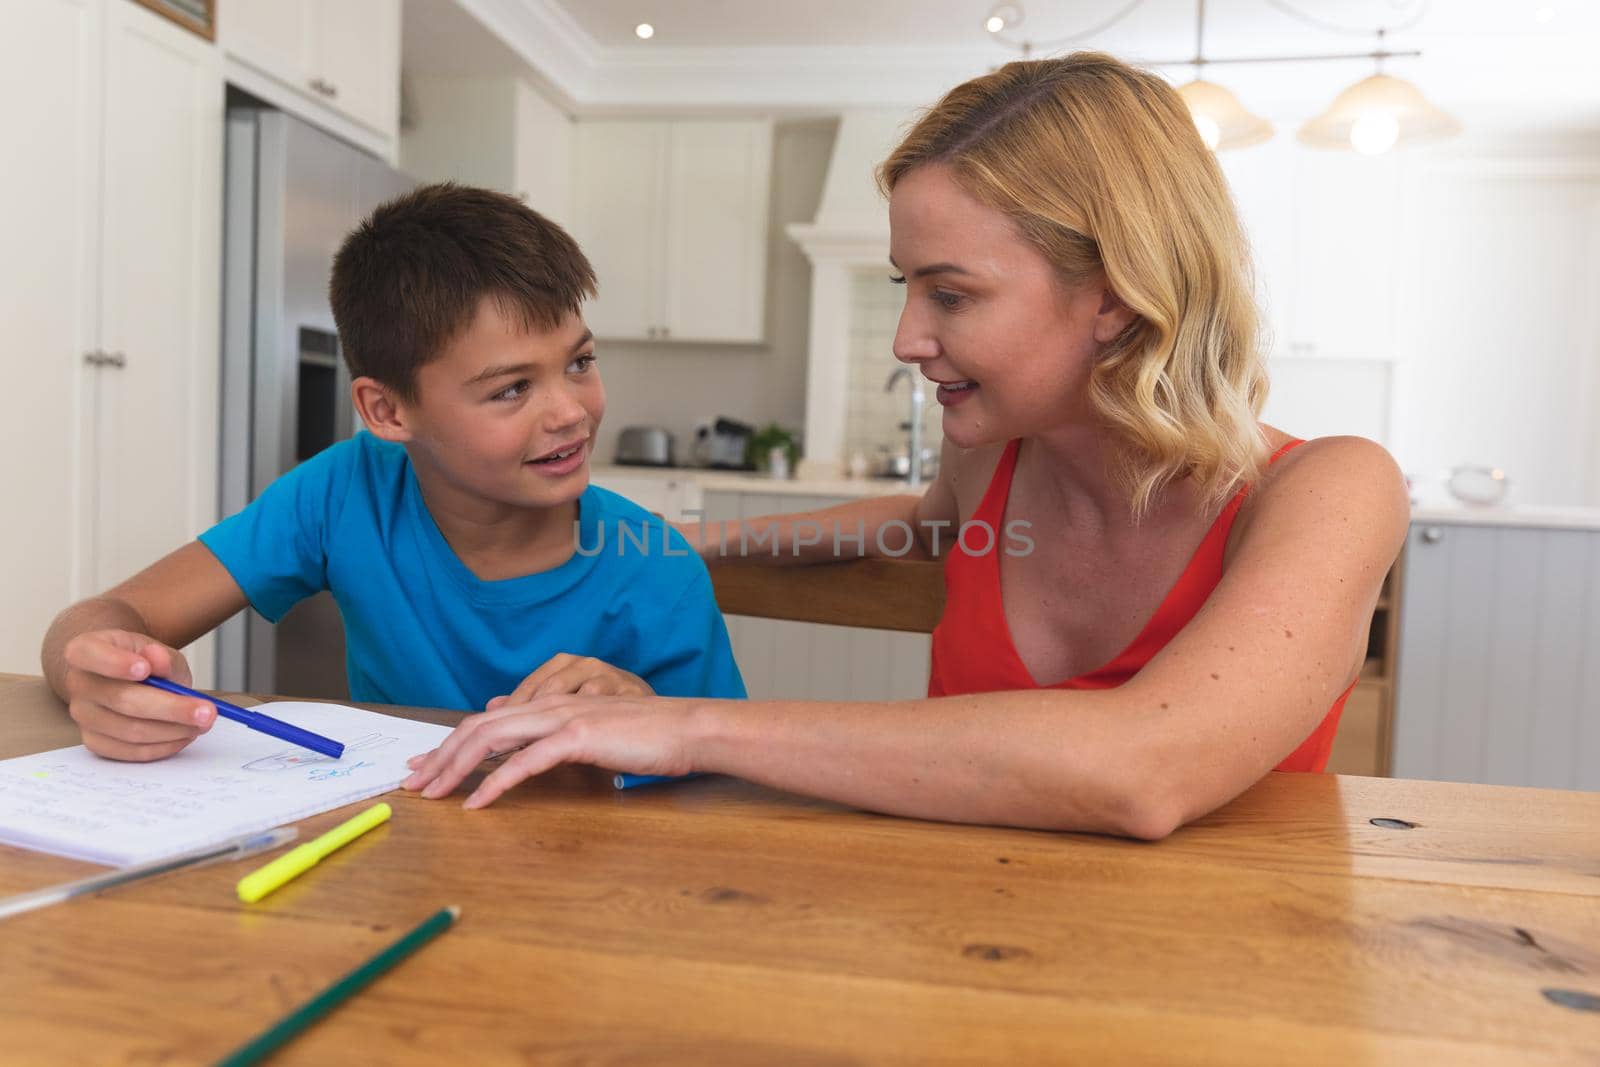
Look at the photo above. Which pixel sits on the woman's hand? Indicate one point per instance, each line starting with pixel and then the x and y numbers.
pixel 633 734
pixel 565 673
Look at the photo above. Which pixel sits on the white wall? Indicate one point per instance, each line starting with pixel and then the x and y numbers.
pixel 459 130
pixel 1441 300
pixel 543 154
pixel 500 132
pixel 1501 283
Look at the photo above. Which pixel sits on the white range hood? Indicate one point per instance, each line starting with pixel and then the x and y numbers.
pixel 851 230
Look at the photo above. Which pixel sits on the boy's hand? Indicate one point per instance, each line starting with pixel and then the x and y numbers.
pixel 118 717
pixel 638 735
pixel 566 673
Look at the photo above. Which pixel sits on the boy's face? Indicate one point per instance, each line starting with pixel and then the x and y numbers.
pixel 509 415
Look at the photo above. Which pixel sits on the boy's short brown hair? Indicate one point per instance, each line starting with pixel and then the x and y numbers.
pixel 412 275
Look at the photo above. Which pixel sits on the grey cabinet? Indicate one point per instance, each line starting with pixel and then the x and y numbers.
pixel 1498 677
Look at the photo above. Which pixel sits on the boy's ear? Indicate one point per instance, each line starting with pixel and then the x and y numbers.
pixel 384 413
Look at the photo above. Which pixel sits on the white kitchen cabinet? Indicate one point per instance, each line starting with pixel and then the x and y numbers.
pixel 1498 675
pixel 110 318
pixel 339 56
pixel 617 191
pixel 783 660
pixel 674 217
pixel 272 35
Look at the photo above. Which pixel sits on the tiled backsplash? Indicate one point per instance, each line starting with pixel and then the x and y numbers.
pixel 873 416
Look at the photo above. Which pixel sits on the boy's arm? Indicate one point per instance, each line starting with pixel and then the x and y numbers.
pixel 98 649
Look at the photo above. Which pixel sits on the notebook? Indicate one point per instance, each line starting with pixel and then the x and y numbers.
pixel 230 781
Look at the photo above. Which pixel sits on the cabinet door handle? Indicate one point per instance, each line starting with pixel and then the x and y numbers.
pixel 651 332
pixel 98 358
pixel 665 332
pixel 325 87
pixel 1432 535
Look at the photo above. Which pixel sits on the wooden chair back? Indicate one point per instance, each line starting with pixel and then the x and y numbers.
pixel 880 594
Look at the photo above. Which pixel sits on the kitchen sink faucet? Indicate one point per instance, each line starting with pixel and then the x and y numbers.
pixel 914 426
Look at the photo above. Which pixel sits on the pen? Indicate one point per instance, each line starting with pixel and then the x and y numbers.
pixel 237 848
pixel 292 864
pixel 270 1039
pixel 256 720
pixel 633 781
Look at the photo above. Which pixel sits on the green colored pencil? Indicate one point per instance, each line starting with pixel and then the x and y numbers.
pixel 270 1039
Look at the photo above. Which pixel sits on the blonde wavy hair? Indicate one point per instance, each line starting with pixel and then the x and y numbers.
pixel 1100 166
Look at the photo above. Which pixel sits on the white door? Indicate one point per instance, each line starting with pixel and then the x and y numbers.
pixel 617 205
pixel 154 419
pixel 49 52
pixel 716 213
pixel 357 59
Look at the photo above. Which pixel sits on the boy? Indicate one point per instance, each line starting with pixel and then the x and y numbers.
pixel 446 531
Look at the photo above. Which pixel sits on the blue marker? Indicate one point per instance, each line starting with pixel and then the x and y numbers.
pixel 630 781
pixel 256 720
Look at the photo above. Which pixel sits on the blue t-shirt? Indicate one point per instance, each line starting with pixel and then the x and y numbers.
pixel 420 628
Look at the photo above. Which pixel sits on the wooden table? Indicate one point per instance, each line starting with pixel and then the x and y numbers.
pixel 716 922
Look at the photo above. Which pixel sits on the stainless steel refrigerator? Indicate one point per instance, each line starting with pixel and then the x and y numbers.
pixel 292 194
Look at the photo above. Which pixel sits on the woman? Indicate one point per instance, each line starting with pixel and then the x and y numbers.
pixel 1194 606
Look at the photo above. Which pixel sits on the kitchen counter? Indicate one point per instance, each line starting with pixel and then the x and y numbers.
pixel 718 481
pixel 1550 518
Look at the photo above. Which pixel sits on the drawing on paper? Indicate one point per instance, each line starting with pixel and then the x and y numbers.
pixel 291 758
pixel 322 774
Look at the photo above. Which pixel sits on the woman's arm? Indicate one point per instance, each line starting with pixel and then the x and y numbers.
pixel 1251 676
pixel 1239 688
pixel 902 526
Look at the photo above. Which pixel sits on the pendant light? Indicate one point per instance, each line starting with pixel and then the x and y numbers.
pixel 1377 113
pixel 1223 122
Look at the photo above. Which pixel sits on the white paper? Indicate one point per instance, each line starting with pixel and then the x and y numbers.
pixel 230 781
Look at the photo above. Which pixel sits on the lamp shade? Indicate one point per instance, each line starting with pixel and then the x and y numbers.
pixel 1375 113
pixel 1222 121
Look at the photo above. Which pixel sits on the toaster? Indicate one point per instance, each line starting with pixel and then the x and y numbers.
pixel 644 446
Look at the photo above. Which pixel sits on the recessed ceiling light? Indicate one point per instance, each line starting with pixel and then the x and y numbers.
pixel 995 24
pixel 644 31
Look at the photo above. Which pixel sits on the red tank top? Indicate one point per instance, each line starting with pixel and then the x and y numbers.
pixel 972 649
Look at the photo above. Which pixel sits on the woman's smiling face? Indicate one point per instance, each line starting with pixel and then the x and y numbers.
pixel 988 317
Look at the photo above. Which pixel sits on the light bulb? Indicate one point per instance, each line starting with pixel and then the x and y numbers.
pixel 1210 132
pixel 644 31
pixel 994 24
pixel 1374 133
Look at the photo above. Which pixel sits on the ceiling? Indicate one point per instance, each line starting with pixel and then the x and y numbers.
pixel 1496 61
pixel 1156 29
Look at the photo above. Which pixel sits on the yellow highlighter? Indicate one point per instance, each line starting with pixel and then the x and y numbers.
pixel 292 864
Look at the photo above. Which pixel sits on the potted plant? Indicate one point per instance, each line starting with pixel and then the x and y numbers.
pixel 774 450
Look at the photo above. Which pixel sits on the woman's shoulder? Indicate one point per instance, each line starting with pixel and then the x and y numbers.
pixel 1351 478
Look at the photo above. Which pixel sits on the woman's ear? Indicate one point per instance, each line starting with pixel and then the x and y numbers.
pixel 1112 318
pixel 384 413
